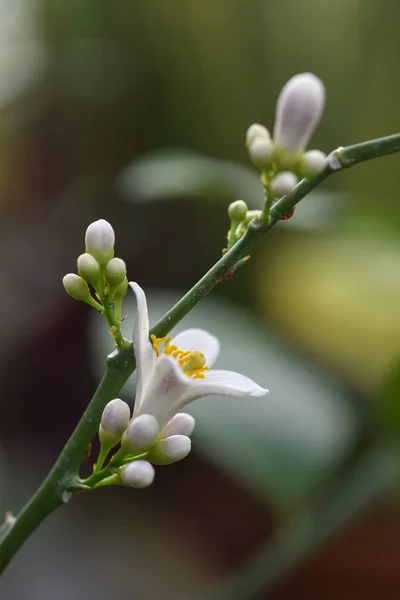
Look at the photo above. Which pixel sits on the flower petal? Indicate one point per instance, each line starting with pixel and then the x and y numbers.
pixel 227 383
pixel 166 392
pixel 144 353
pixel 198 339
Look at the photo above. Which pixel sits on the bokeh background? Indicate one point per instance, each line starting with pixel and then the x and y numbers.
pixel 136 112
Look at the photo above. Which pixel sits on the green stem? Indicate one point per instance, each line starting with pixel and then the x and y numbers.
pixel 117 461
pixel 63 474
pixel 120 364
pixel 115 325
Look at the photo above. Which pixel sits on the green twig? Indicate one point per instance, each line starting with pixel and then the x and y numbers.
pixel 63 476
pixel 54 490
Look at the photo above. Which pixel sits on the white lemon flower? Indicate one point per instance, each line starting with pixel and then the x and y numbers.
pixel 171 373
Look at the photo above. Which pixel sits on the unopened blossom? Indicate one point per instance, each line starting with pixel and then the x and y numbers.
pixel 283 183
pixel 298 111
pixel 312 163
pixel 256 131
pixel 170 450
pixel 180 424
pixel 100 237
pixel 171 373
pixel 138 474
pixel 114 421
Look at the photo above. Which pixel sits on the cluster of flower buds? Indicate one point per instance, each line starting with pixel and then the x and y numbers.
pixel 142 444
pixel 98 269
pixel 283 159
pixel 240 217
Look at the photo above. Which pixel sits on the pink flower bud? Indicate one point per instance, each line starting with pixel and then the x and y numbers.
pixel 298 111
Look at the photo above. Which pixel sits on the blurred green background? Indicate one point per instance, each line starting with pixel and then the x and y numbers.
pixel 136 111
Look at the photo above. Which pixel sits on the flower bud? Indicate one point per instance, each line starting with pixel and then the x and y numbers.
pixel 237 210
pixel 114 421
pixel 88 268
pixel 115 272
pixel 76 287
pixel 138 474
pixel 170 450
pixel 256 131
pixel 261 151
pixel 180 424
pixel 298 111
pixel 282 184
pixel 142 431
pixel 121 290
pixel 312 163
pixel 100 237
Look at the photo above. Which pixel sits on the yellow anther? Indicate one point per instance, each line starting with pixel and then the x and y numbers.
pixel 156 343
pixel 192 362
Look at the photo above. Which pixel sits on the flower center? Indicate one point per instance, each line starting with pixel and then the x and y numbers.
pixel 192 362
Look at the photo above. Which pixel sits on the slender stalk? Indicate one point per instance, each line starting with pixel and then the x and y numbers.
pixel 53 491
pixel 63 476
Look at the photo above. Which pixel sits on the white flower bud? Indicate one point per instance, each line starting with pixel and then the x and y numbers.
pixel 283 183
pixel 170 450
pixel 256 131
pixel 298 111
pixel 100 237
pixel 180 424
pixel 261 151
pixel 138 474
pixel 115 272
pixel 142 431
pixel 76 287
pixel 88 268
pixel 114 421
pixel 312 163
pixel 237 210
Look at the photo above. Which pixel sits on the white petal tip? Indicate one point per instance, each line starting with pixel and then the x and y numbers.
pixel 259 392
pixel 180 424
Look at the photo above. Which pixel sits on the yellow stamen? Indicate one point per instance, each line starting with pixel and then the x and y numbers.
pixel 156 343
pixel 192 362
